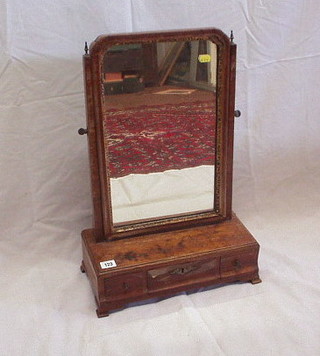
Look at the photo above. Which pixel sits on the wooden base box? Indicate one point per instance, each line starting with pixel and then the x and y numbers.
pixel 163 264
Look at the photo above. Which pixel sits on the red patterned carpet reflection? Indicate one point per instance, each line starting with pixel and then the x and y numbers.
pixel 158 138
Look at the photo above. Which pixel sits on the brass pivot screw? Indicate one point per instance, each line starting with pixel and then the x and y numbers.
pixel 82 131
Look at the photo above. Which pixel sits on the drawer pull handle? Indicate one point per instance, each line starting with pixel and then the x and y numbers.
pixel 183 270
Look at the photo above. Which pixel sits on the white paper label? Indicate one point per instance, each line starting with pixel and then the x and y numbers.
pixel 108 264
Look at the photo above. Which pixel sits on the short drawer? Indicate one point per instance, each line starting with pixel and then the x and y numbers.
pixel 241 263
pixel 184 273
pixel 124 286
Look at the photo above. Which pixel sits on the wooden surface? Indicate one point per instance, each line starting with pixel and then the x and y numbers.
pixel 169 245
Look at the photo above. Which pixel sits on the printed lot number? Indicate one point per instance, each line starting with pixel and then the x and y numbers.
pixel 108 264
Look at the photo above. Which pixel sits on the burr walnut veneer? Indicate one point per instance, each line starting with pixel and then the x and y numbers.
pixel 135 250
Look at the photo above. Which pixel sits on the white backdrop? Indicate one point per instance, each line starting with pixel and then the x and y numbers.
pixel 46 305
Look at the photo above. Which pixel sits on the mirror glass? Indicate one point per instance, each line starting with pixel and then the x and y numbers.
pixel 159 119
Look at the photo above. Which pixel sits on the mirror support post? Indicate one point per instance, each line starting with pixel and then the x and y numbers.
pixel 231 109
pixel 92 150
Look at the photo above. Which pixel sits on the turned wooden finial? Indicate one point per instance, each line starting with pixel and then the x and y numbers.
pixel 231 36
pixel 86 49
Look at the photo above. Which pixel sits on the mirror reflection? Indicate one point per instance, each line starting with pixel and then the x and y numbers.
pixel 159 122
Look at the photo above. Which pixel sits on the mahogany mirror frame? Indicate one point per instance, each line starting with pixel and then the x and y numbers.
pixel 104 229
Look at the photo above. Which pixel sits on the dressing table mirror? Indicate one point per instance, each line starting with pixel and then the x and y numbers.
pixel 160 113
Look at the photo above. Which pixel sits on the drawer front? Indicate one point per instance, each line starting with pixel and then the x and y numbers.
pixel 185 273
pixel 125 286
pixel 241 263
